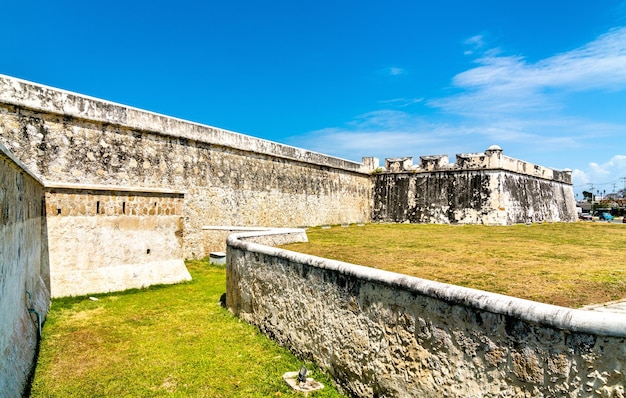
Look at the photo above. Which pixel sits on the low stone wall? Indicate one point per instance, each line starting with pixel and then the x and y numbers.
pixel 105 238
pixel 384 334
pixel 24 290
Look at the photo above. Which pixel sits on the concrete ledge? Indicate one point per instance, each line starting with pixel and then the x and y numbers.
pixel 215 236
pixel 115 188
pixel 264 238
pixel 236 228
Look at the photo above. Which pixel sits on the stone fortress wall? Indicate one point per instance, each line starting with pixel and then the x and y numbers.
pixel 125 194
pixel 95 149
pixel 24 273
pixel 99 160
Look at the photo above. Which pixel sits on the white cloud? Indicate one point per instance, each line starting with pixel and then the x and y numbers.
pixel 476 43
pixel 393 71
pixel 510 84
pixel 402 102
pixel 392 133
pixel 607 176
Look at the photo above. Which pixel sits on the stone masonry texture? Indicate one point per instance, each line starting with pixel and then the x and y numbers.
pixel 23 273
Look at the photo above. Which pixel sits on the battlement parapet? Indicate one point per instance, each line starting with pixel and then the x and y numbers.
pixel 492 159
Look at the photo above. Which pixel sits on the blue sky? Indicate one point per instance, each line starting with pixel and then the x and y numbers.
pixel 545 80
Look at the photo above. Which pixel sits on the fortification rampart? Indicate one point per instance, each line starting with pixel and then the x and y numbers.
pixel 116 197
pixel 480 188
pixel 385 334
pixel 48 100
pixel 228 178
pixel 96 150
pixel 492 159
pixel 24 289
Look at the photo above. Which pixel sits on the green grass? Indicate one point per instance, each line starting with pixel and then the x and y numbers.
pixel 166 341
pixel 567 264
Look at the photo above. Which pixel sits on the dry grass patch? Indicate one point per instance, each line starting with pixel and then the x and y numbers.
pixel 567 264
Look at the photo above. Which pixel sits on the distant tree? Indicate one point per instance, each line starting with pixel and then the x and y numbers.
pixel 588 195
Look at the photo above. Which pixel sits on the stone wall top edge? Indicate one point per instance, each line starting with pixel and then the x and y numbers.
pixel 235 228
pixel 261 231
pixel 46 99
pixel 582 321
pixel 97 187
pixel 4 152
pixel 474 169
pixel 491 159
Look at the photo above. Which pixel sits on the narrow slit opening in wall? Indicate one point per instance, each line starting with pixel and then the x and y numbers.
pixel 98 207
pixel 58 212
pixel 148 251
pixel 123 207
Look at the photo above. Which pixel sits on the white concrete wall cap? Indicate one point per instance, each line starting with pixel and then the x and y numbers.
pixel 235 228
pixel 600 323
pixel 117 188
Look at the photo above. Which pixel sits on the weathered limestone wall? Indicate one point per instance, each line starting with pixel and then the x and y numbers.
pixel 109 239
pixel 385 334
pixel 228 178
pixel 486 188
pixel 23 272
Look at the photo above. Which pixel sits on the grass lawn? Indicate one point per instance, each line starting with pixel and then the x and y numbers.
pixel 168 341
pixel 567 264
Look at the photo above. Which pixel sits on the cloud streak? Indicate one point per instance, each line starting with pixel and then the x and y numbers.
pixel 510 84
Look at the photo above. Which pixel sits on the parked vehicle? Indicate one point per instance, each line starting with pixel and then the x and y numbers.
pixel 606 216
pixel 585 216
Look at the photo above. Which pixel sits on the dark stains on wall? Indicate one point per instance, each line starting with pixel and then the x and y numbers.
pixel 428 197
pixel 534 199
pixel 469 196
